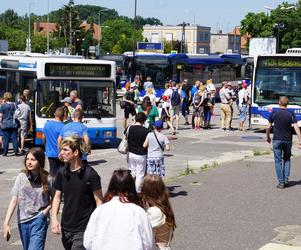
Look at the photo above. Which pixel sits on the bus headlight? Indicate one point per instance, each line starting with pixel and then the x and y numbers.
pixel 108 133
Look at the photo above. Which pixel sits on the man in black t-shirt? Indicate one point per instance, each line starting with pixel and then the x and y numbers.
pixel 283 121
pixel 81 187
pixel 129 99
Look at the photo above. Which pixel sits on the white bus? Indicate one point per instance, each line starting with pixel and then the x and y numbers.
pixel 51 79
pixel 274 76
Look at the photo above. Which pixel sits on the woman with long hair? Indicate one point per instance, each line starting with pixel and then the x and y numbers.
pixel 156 203
pixel 120 223
pixel 31 195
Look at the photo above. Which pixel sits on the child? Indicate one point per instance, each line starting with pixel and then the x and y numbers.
pixel 156 203
pixel 207 110
pixel 155 143
pixel 165 114
pixel 31 195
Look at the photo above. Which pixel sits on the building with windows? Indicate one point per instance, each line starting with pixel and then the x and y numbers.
pixel 195 39
pixel 226 43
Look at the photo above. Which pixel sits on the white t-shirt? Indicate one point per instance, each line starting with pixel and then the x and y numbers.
pixel 241 95
pixel 154 150
pixel 168 92
pixel 211 89
pixel 157 218
pixel 117 225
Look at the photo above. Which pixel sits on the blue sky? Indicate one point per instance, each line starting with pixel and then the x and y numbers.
pixel 217 14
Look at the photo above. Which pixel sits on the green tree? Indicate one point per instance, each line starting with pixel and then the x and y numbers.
pixel 283 23
pixel 10 18
pixel 16 38
pixel 119 32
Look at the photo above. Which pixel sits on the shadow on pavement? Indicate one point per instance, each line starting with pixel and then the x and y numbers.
pixel 173 194
pixel 294 183
pixel 95 163
pixel 106 146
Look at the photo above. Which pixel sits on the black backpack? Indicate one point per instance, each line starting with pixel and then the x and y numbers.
pixel 175 98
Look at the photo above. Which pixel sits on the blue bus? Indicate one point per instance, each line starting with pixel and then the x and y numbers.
pixel 50 80
pixel 274 76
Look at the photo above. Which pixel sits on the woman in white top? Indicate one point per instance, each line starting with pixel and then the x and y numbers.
pixel 156 202
pixel 119 223
pixel 152 96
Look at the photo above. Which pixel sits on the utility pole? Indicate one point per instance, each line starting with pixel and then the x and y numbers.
pixel 47 26
pixel 183 38
pixel 98 44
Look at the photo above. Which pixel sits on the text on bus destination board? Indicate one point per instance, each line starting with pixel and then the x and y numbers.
pixel 77 70
pixel 279 62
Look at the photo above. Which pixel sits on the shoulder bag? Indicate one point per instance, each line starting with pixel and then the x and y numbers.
pixel 123 146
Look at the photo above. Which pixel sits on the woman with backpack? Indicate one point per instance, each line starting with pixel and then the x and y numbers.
pixel 175 101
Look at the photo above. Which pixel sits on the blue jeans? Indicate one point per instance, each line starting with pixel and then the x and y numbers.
pixel 7 134
pixel 184 109
pixel 33 233
pixel 282 157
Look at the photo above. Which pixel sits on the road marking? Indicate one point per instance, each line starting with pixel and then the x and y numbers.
pixel 274 246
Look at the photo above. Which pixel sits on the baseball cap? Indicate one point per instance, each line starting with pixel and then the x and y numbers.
pixel 67 99
pixel 158 124
pixel 229 84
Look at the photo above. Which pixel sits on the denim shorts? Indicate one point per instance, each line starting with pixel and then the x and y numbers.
pixel 243 115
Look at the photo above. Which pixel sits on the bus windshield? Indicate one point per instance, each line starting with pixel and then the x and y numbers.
pixel 272 82
pixel 97 96
pixel 157 67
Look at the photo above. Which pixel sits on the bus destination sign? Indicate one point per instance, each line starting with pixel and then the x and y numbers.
pixel 281 62
pixel 77 70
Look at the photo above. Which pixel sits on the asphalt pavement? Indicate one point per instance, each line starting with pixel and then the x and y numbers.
pixel 222 184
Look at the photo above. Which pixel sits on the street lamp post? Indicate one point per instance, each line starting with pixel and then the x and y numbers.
pixel 183 37
pixel 28 43
pixel 279 26
pixel 134 30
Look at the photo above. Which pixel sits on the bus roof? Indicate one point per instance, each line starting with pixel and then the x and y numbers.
pixel 38 64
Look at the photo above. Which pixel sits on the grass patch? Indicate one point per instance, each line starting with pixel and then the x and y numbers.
pixel 261 152
pixel 186 171
pixel 208 166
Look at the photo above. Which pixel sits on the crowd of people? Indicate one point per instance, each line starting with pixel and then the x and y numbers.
pixel 178 98
pixel 135 208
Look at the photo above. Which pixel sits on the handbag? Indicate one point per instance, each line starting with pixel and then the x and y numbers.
pixel 123 146
pixel 122 104
pixel 16 116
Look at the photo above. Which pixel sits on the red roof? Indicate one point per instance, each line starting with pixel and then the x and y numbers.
pixel 41 28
